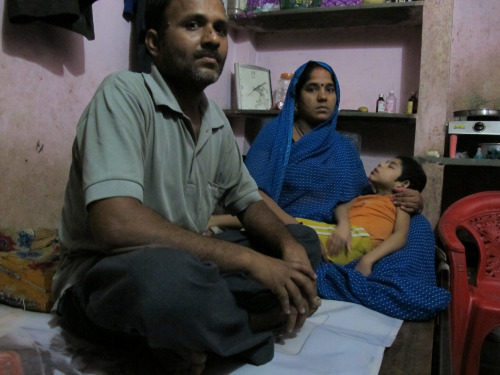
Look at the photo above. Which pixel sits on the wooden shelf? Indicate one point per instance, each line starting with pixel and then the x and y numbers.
pixel 251 113
pixel 462 162
pixel 343 114
pixel 368 15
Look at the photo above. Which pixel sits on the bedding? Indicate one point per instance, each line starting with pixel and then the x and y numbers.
pixel 341 338
pixel 28 261
pixel 402 285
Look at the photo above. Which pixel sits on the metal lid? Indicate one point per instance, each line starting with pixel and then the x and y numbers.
pixel 476 112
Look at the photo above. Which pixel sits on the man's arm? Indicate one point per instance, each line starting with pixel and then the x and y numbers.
pixel 394 242
pixel 124 223
pixel 265 228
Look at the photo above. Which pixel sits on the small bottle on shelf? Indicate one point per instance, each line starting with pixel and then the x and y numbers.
pixel 412 104
pixel 281 89
pixel 380 107
pixel 391 103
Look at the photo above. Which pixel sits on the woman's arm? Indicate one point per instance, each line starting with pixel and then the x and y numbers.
pixel 394 242
pixel 230 221
pixel 278 211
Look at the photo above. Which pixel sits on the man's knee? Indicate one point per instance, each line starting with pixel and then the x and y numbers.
pixel 308 238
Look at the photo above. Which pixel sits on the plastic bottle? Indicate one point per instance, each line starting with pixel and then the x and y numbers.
pixel 281 89
pixel 391 103
pixel 380 104
pixel 412 103
pixel 479 154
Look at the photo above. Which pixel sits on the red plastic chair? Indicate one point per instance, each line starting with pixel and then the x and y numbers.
pixel 475 304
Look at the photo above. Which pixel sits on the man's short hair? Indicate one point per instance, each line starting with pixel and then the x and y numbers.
pixel 154 16
pixel 413 172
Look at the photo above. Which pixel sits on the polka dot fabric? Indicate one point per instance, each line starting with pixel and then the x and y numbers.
pixel 401 285
pixel 310 177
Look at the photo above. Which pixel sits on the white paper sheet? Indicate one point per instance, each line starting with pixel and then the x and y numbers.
pixel 341 338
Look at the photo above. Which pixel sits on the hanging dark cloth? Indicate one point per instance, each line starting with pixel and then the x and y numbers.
pixel 134 10
pixel 74 15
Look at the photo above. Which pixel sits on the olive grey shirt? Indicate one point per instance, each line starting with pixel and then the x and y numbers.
pixel 133 140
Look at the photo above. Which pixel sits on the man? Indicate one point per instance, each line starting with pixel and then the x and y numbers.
pixel 151 159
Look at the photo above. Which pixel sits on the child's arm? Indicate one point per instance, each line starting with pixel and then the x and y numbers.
pixel 340 239
pixel 394 242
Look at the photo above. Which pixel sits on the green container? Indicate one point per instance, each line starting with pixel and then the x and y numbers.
pixel 298 4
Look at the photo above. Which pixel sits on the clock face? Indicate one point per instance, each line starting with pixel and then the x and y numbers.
pixel 253 86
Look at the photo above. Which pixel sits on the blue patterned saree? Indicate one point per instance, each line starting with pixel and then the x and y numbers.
pixel 310 177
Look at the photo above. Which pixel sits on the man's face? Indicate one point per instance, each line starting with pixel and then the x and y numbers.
pixel 193 46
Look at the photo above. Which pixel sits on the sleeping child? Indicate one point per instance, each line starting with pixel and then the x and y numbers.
pixel 371 226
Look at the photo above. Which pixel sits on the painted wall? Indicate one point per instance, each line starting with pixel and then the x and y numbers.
pixel 475 56
pixel 48 75
pixel 367 61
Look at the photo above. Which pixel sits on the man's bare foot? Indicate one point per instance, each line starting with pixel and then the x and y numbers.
pixel 182 361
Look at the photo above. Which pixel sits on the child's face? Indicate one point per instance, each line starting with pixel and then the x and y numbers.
pixel 386 173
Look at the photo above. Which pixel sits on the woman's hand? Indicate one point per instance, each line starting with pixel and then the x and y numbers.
pixel 408 200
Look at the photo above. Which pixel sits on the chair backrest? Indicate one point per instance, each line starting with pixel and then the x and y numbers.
pixel 478 215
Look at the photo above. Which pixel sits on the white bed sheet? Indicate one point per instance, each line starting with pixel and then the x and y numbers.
pixel 341 338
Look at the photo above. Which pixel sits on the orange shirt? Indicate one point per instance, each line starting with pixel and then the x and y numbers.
pixel 375 213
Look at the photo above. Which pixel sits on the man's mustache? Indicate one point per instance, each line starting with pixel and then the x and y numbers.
pixel 208 53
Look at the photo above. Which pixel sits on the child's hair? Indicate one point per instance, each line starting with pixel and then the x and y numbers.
pixel 413 172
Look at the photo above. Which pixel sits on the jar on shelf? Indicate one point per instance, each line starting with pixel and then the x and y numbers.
pixel 281 89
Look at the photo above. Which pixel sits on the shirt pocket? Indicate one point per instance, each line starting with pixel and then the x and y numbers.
pixel 216 191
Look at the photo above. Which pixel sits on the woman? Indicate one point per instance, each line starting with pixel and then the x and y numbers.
pixel 309 166
pixel 304 168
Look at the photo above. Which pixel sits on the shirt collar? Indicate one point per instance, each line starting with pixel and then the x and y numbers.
pixel 162 96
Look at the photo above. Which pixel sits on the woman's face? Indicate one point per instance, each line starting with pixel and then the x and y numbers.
pixel 317 98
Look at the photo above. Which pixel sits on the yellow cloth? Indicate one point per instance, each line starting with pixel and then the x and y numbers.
pixel 372 219
pixel 360 243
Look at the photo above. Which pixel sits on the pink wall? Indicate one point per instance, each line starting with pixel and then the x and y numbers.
pixel 48 75
pixel 367 61
pixel 475 56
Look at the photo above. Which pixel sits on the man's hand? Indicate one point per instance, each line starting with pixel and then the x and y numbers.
pixel 408 200
pixel 295 253
pixel 285 269
pixel 292 282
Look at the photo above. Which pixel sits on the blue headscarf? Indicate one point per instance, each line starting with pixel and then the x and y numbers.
pixel 310 177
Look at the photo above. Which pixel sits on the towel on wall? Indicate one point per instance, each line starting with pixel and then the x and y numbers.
pixel 134 10
pixel 74 15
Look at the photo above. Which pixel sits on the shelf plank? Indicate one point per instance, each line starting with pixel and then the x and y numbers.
pixel 343 114
pixel 367 15
pixel 461 162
